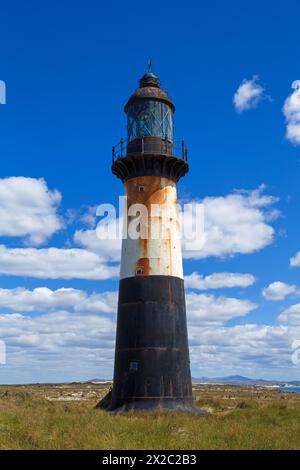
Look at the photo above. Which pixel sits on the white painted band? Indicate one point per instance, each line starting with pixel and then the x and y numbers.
pixel 160 253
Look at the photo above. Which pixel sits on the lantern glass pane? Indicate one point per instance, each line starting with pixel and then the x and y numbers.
pixel 150 118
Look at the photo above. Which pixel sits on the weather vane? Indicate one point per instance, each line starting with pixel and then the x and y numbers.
pixel 149 64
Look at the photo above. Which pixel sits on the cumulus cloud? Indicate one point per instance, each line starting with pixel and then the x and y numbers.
pixel 105 302
pixel 43 298
pixel 249 349
pixel 218 280
pixel 52 331
pixel 28 209
pixel 49 330
pixel 248 94
pixel 291 111
pixel 54 263
pixel 88 217
pixel 295 260
pixel 291 315
pixel 236 223
pixel 45 347
pixel 109 249
pixel 208 309
pixel 279 290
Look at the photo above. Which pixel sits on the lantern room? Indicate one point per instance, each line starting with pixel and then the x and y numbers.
pixel 149 117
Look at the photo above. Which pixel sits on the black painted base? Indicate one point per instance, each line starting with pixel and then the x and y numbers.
pixel 180 406
pixel 152 368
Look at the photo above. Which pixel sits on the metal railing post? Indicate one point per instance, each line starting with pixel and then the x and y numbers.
pixel 122 142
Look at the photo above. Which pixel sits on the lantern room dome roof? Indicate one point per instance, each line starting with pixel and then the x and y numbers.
pixel 149 89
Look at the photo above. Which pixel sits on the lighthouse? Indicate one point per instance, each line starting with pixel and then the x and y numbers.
pixel 152 366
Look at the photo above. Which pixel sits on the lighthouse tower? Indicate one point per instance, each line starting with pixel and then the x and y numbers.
pixel 152 367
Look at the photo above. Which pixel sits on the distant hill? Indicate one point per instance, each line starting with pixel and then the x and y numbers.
pixel 95 381
pixel 228 380
pixel 240 380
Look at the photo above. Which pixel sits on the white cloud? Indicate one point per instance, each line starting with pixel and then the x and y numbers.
pixel 54 263
pixel 279 290
pixel 105 302
pixel 28 209
pixel 105 248
pixel 291 315
pixel 256 350
pixel 207 309
pixel 295 261
pixel 52 331
pixel 43 298
pixel 250 349
pixel 88 217
pixel 38 299
pixel 248 94
pixel 57 346
pixel 46 347
pixel 236 223
pixel 291 111
pixel 218 280
pixel 69 331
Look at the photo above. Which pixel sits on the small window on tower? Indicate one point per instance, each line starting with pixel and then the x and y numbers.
pixel 141 189
pixel 133 366
pixel 139 271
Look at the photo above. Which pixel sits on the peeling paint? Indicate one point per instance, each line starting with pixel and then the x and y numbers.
pixel 160 252
pixel 143 264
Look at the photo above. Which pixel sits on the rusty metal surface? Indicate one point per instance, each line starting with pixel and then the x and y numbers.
pixel 149 79
pixel 150 145
pixel 149 93
pixel 158 250
pixel 133 166
pixel 149 89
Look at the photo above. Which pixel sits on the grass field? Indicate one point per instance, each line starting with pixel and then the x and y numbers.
pixel 64 417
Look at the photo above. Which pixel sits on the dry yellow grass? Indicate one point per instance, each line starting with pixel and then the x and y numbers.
pixel 64 417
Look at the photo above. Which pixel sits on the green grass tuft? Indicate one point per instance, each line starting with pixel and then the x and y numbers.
pixel 53 417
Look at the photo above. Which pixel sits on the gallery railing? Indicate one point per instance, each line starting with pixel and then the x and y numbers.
pixel 150 145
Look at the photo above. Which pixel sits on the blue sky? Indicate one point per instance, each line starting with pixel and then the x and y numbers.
pixel 69 67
